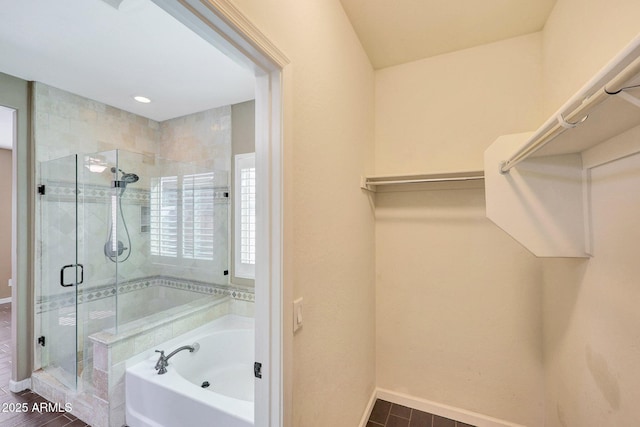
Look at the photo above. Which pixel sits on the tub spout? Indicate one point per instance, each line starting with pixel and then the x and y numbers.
pixel 163 361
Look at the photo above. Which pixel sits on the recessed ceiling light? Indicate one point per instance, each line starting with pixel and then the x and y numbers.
pixel 142 99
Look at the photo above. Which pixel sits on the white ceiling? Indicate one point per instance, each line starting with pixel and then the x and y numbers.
pixel 112 50
pixel 399 31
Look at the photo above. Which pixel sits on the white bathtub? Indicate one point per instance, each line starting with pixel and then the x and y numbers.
pixel 177 399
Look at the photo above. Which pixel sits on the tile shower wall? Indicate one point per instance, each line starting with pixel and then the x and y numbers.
pixel 66 124
pixel 201 138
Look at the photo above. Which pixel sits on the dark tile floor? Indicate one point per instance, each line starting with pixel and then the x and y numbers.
pixel 387 414
pixel 21 409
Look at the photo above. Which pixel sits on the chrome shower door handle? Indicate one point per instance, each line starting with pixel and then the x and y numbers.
pixel 78 282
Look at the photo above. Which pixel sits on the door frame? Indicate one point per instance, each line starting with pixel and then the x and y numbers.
pixel 16 94
pixel 229 30
pixel 221 23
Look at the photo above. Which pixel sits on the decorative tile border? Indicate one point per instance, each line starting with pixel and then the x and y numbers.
pixel 133 285
pixel 207 288
pixel 55 302
pixel 67 299
pixel 65 191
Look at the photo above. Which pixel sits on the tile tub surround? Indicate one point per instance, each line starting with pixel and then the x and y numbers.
pixel 103 405
pixel 387 414
pixel 130 287
pixel 98 309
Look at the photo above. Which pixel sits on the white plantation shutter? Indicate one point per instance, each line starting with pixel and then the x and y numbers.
pixel 164 216
pixel 245 215
pixel 197 216
pixel 182 216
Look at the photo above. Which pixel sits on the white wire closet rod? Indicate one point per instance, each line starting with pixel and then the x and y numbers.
pixel 371 182
pixel 611 81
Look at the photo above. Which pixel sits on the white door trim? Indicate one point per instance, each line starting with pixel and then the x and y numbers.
pixel 229 30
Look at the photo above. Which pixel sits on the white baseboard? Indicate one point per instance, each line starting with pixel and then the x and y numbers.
pixel 5 300
pixel 18 386
pixel 442 410
pixel 368 409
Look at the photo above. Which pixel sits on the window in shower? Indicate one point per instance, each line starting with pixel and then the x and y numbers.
pixel 164 216
pixel 182 216
pixel 197 216
pixel 245 215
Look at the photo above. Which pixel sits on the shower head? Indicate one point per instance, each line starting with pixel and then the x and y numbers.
pixel 126 178
pixel 130 178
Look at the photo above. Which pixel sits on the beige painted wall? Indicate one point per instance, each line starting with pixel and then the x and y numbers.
pixel 579 38
pixel 6 180
pixel 458 301
pixel 243 128
pixel 441 113
pixel 591 321
pixel 329 222
pixel 458 306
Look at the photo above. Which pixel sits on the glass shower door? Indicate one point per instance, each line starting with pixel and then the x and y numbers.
pixel 61 273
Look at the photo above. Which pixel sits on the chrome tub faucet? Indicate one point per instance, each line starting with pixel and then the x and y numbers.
pixel 163 361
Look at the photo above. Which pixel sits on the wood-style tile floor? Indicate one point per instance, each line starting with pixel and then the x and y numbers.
pixel 24 409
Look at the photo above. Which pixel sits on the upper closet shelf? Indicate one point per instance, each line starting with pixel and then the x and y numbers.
pixel 606 106
pixel 464 179
pixel 537 185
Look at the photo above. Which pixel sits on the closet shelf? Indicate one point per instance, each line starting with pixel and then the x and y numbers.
pixel 608 105
pixel 537 185
pixel 462 179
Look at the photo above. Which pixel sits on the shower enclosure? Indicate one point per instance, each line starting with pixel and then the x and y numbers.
pixel 121 236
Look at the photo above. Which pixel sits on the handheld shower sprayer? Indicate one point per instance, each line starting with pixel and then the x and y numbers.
pixel 113 248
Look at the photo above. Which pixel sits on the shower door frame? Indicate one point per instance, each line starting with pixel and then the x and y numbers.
pixel 55 322
pixel 224 26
